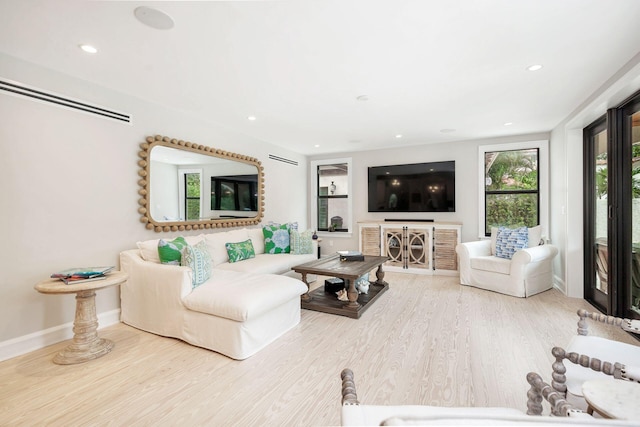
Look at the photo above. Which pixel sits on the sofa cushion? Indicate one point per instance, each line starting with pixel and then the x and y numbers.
pixel 198 259
pixel 216 243
pixel 257 239
pixel 301 242
pixel 493 264
pixel 240 251
pixel 276 239
pixel 242 296
pixel 267 263
pixel 170 252
pixel 511 240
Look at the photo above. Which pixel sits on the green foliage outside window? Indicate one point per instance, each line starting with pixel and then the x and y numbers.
pixel 192 196
pixel 512 210
pixel 511 188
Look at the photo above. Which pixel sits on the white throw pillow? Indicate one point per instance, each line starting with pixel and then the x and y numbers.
pixel 217 241
pixel 535 236
pixel 257 239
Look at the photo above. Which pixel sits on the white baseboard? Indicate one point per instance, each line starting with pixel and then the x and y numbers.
pixel 559 284
pixel 37 340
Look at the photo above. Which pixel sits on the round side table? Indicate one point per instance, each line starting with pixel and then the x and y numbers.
pixel 85 344
pixel 613 398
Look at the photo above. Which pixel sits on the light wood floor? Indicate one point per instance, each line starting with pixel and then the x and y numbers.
pixel 428 340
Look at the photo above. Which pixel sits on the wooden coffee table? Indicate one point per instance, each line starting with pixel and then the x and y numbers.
pixel 349 271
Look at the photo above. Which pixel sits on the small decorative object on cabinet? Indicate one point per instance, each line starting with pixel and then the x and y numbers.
pixel 413 247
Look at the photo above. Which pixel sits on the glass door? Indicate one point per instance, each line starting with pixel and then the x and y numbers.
pixel 612 211
pixel 630 294
pixel 597 257
pixel 635 214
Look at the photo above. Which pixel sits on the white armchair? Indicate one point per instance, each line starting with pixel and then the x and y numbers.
pixel 527 273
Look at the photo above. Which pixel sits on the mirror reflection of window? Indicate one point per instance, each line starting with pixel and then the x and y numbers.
pixel 227 197
pixel 234 193
pixel 192 195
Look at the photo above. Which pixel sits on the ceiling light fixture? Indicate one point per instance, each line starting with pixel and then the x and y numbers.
pixel 88 48
pixel 153 18
pixel 398 136
pixel 446 130
pixel 317 145
pixel 252 118
pixel 362 98
pixel 534 67
pixel 508 124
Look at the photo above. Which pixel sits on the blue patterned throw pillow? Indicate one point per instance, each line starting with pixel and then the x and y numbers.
pixel 509 241
pixel 198 258
pixel 240 251
pixel 276 239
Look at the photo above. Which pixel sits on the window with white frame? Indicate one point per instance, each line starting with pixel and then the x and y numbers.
pixel 513 185
pixel 331 195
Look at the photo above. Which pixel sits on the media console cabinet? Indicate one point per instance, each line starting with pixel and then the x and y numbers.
pixel 413 247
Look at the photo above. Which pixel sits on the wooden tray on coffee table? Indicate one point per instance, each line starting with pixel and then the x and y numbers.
pixel 349 271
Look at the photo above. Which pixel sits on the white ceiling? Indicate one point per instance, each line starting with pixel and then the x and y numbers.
pixel 298 66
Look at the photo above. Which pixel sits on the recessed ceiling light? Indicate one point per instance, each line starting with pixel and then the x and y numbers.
pixel 447 130
pixel 363 98
pixel 317 145
pixel 153 18
pixel 534 67
pixel 354 141
pixel 252 118
pixel 399 136
pixel 508 124
pixel 88 48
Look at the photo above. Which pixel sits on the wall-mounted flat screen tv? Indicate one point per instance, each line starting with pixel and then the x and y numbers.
pixel 417 187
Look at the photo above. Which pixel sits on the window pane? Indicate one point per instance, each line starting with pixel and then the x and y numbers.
pixel 511 170
pixel 227 197
pixel 511 210
pixel 192 191
pixel 635 213
pixel 601 223
pixel 511 188
pixel 244 196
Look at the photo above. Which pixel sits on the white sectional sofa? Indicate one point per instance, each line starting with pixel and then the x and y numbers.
pixel 243 307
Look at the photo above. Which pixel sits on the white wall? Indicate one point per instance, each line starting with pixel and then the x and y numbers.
pixel 567 174
pixel 69 192
pixel 465 155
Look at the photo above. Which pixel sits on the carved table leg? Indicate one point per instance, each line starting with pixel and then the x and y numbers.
pixel 352 294
pixel 380 276
pixel 85 344
pixel 306 297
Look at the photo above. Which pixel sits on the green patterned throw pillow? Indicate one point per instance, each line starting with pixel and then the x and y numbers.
pixel 301 243
pixel 240 251
pixel 198 258
pixel 276 239
pixel 170 252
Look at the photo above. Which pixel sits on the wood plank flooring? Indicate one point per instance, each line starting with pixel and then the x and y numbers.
pixel 427 341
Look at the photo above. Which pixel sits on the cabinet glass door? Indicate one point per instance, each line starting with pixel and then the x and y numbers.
pixel 393 244
pixel 417 249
